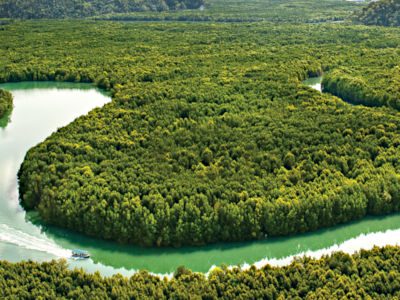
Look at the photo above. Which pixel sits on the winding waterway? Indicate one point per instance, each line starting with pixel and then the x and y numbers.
pixel 40 108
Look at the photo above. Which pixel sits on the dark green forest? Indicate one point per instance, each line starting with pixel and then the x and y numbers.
pixel 6 102
pixel 211 136
pixel 367 86
pixel 53 9
pixel 288 11
pixel 373 274
pixel 382 13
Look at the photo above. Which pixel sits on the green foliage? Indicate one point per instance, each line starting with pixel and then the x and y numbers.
pixel 370 274
pixel 382 13
pixel 291 11
pixel 52 9
pixel 6 102
pixel 369 85
pixel 210 136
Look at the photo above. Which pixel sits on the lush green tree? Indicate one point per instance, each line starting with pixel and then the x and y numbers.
pixel 382 12
pixel 363 86
pixel 52 9
pixel 211 136
pixel 6 102
pixel 372 274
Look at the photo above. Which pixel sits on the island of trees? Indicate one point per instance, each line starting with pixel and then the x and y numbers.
pixel 50 9
pixel 202 143
pixel 382 13
pixel 373 274
pixel 6 102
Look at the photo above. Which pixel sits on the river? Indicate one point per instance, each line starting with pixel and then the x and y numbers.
pixel 41 108
pixel 314 82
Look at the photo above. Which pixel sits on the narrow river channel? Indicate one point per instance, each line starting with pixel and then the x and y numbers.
pixel 41 108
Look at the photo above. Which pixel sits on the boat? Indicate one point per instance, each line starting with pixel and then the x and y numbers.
pixel 80 254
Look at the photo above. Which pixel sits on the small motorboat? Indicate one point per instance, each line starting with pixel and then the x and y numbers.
pixel 80 254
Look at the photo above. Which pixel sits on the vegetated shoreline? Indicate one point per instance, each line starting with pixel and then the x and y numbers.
pixel 342 83
pixel 349 247
pixel 6 102
pixel 367 273
pixel 354 91
pixel 311 74
pixel 189 108
pixel 311 254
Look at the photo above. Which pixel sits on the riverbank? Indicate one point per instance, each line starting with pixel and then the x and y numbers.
pixel 6 103
pixel 25 236
pixel 369 274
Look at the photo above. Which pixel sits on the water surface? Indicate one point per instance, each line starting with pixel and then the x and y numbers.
pixel 314 82
pixel 40 108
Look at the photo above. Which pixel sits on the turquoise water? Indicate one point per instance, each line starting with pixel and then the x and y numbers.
pixel 41 108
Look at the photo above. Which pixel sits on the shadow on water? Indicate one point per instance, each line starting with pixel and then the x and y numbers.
pixel 201 259
pixel 58 85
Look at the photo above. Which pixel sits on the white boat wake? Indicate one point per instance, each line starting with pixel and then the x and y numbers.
pixel 16 237
pixel 351 246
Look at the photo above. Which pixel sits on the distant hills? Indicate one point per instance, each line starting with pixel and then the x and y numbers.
pixel 55 9
pixel 383 13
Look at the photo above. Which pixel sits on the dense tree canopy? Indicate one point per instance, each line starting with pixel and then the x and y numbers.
pixel 6 102
pixel 53 9
pixel 291 11
pixel 382 12
pixel 210 136
pixel 373 274
pixel 367 85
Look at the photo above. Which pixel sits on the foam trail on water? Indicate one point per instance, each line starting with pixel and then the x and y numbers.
pixel 16 237
pixel 351 246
